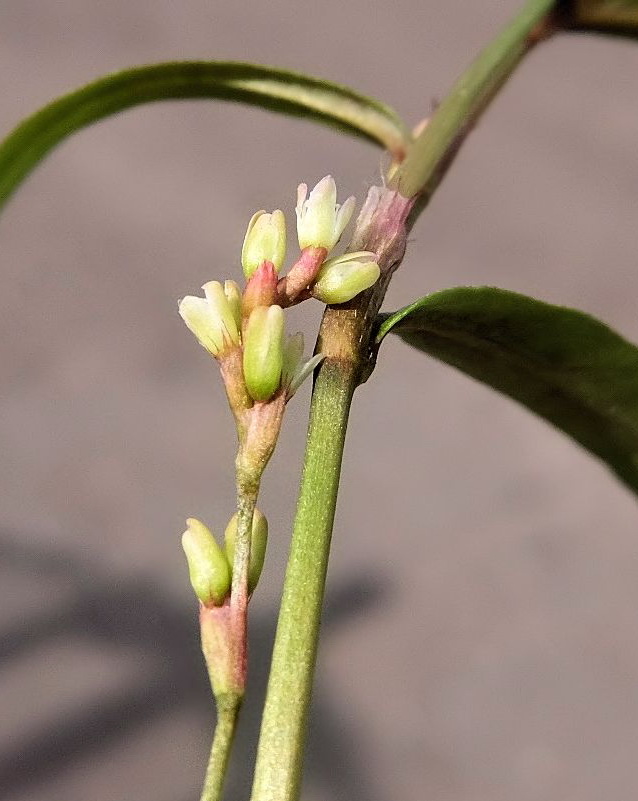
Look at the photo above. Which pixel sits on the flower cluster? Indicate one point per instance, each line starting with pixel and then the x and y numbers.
pixel 261 366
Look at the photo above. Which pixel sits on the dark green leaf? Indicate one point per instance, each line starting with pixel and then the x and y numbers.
pixel 561 363
pixel 274 89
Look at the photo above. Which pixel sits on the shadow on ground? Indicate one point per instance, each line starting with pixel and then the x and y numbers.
pixel 130 613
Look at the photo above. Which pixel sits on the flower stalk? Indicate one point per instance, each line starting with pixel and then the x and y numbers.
pixel 261 369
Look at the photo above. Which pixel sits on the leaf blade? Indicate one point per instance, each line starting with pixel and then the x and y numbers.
pixel 277 90
pixel 564 365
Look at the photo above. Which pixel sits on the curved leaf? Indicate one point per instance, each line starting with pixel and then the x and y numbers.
pixel 561 363
pixel 274 89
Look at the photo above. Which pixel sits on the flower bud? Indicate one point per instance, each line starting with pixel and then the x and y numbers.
pixel 208 566
pixel 261 289
pixel 341 279
pixel 263 351
pixel 265 240
pixel 258 541
pixel 212 318
pixel 320 220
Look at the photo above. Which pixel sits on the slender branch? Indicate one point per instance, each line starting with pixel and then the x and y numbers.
pixel 235 634
pixel 246 500
pixel 227 712
pixel 435 148
pixel 218 638
pixel 224 639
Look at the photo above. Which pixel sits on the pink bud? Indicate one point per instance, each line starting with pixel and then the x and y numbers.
pixel 261 289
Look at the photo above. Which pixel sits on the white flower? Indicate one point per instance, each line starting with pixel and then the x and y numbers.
pixel 215 318
pixel 320 220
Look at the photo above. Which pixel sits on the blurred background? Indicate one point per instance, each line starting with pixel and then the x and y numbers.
pixel 480 639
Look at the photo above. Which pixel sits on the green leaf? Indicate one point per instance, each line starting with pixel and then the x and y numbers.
pixel 274 89
pixel 561 363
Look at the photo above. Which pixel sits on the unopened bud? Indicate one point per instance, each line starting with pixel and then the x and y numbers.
pixel 212 318
pixel 265 240
pixel 261 289
pixel 263 351
pixel 258 541
pixel 320 220
pixel 208 566
pixel 341 279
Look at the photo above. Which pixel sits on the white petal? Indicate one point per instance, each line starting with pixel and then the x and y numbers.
pixel 222 310
pixel 348 258
pixel 343 217
pixel 202 322
pixel 233 296
pixel 324 194
pixel 302 193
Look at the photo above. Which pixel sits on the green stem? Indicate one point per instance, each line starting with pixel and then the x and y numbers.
pixel 279 759
pixel 246 501
pixel 227 711
pixel 224 643
pixel 433 151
